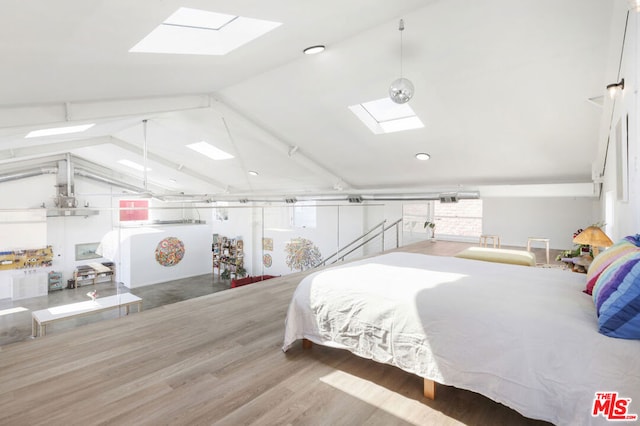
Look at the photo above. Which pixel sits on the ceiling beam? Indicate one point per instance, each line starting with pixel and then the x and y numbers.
pixel 43 114
pixel 170 164
pixel 31 151
pixel 278 143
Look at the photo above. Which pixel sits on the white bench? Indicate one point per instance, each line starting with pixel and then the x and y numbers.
pixel 41 318
pixel 514 257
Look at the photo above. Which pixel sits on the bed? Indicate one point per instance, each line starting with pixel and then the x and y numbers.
pixel 525 337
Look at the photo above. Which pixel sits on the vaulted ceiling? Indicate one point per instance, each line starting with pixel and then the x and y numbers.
pixel 503 88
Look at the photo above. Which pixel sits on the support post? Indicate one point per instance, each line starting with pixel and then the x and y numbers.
pixel 429 389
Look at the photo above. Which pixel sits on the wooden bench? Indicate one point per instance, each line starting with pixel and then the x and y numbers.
pixel 41 318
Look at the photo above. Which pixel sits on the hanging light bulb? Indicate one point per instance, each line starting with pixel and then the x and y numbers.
pixel 401 89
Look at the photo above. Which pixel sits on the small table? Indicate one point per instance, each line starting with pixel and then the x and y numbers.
pixel 494 239
pixel 41 318
pixel 541 240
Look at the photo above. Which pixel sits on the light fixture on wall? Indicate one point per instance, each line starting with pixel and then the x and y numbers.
pixel 613 88
pixel 313 50
pixel 422 156
pixel 401 89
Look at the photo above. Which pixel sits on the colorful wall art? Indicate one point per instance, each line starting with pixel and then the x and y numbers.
pixel 302 254
pixel 22 259
pixel 267 260
pixel 169 251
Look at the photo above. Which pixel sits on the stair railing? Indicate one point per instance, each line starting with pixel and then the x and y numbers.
pixel 340 256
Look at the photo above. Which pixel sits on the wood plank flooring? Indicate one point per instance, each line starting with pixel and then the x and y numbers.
pixel 217 359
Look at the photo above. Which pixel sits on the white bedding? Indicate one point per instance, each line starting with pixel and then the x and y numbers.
pixel 525 337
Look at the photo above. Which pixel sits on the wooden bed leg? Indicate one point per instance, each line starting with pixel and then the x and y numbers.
pixel 306 344
pixel 429 389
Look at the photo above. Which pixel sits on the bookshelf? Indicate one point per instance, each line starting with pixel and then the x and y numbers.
pixel 228 255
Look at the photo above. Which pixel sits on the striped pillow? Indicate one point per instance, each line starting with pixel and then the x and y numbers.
pixel 617 298
pixel 625 246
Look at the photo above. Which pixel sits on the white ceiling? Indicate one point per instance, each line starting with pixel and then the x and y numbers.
pixel 501 85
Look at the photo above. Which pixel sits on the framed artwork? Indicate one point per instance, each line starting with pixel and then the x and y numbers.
pixel 87 251
pixel 267 260
pixel 267 244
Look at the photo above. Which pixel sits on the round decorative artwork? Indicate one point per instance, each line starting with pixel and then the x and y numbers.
pixel 169 251
pixel 266 260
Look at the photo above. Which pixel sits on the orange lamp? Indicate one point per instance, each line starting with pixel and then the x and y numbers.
pixel 593 236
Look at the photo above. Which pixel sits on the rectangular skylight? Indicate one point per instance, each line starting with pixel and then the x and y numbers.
pixel 200 32
pixel 385 116
pixel 133 165
pixel 210 151
pixel 58 131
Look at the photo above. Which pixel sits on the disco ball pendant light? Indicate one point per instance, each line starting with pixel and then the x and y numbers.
pixel 401 89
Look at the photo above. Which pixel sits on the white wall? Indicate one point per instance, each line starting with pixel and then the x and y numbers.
pixel 515 219
pixel 556 218
pixel 140 245
pixel 624 213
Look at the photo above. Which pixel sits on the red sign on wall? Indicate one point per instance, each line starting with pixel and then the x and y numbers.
pixel 134 210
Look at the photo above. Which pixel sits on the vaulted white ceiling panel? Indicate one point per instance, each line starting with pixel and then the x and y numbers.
pixel 501 86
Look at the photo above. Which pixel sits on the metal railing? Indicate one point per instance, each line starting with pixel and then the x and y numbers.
pixel 342 252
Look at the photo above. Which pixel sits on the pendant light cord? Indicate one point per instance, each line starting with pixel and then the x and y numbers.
pixel 401 29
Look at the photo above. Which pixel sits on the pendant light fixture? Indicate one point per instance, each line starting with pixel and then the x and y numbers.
pixel 401 89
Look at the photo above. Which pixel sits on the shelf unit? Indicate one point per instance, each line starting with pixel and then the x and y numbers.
pixel 55 281
pixel 228 255
pixel 93 274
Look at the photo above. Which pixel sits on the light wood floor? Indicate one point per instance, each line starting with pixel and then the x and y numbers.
pixel 217 359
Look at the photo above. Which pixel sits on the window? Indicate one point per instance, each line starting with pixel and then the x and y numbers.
pixel 385 116
pixel 132 210
pixel 461 219
pixel 202 32
pixel 304 214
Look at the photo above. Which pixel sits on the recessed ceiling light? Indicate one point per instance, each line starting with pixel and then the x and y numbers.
pixel 313 50
pixel 133 165
pixel 253 173
pixel 201 32
pixel 422 156
pixel 59 131
pixel 209 150
pixel 385 116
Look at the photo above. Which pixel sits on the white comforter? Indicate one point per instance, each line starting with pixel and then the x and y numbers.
pixel 525 337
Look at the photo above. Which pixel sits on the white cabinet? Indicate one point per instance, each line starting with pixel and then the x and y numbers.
pixel 31 284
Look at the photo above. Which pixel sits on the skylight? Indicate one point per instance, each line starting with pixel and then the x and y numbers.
pixel 58 131
pixel 200 32
pixel 385 116
pixel 133 165
pixel 210 151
